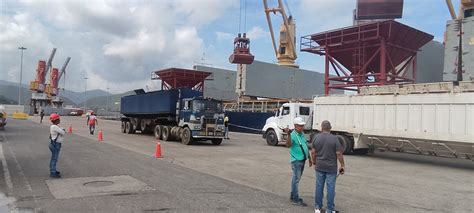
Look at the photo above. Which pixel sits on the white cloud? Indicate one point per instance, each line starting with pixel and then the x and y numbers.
pixel 257 33
pixel 111 42
pixel 222 36
pixel 317 16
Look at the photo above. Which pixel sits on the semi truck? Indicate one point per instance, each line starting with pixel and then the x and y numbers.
pixel 176 114
pixel 432 119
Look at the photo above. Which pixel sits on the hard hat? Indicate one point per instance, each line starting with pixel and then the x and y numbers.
pixel 299 121
pixel 54 117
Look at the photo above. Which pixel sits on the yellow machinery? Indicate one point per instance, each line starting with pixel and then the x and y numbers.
pixel 466 9
pixel 285 52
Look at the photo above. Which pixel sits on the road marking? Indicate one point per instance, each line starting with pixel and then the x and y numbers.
pixel 6 173
pixel 20 171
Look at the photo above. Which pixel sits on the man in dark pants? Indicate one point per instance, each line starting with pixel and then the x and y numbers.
pixel 298 155
pixel 56 137
pixel 226 126
pixel 325 153
pixel 41 116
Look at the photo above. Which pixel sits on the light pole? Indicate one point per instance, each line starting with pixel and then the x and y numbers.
pixel 107 102
pixel 85 98
pixel 21 74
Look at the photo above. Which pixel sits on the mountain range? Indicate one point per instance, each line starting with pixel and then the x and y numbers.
pixel 9 91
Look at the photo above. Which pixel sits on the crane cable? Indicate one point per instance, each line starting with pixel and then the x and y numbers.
pixel 240 14
pixel 245 16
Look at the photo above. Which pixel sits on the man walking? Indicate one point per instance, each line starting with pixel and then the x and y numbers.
pixel 325 153
pixel 226 126
pixel 298 155
pixel 92 121
pixel 41 115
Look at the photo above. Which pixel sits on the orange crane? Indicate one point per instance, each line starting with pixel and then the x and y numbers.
pixel 52 87
pixel 38 86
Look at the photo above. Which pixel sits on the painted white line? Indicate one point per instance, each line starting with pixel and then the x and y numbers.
pixel 21 173
pixel 6 171
pixel 8 179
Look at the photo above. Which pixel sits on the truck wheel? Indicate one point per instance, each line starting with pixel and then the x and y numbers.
pixel 361 151
pixel 129 126
pixel 186 137
pixel 123 127
pixel 143 127
pixel 346 143
pixel 157 132
pixel 216 141
pixel 165 133
pixel 272 138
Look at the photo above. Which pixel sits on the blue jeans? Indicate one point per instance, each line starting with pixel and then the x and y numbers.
pixel 297 167
pixel 330 180
pixel 226 132
pixel 54 148
pixel 92 128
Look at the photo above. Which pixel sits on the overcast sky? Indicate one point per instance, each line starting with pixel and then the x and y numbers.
pixel 119 43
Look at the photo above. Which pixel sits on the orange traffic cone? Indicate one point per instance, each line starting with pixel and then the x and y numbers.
pixel 70 129
pixel 158 150
pixel 101 136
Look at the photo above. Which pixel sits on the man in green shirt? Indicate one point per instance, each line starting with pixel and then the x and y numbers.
pixel 298 155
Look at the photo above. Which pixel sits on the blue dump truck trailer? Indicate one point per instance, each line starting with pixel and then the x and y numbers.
pixel 176 114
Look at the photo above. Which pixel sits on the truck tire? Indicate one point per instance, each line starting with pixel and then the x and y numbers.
pixel 361 151
pixel 123 127
pixel 130 128
pixel 143 127
pixel 165 133
pixel 271 138
pixel 216 141
pixel 186 137
pixel 157 131
pixel 346 143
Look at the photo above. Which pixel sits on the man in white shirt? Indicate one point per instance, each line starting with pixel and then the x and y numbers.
pixel 92 121
pixel 56 137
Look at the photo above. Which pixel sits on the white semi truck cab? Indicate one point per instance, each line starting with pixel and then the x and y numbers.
pixel 274 126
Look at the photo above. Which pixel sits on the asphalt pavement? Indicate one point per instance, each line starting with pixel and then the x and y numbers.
pixel 163 186
pixel 243 174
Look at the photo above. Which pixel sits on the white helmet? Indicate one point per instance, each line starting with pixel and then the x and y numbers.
pixel 299 121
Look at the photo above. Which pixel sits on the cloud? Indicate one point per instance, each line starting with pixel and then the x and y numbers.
pixel 317 16
pixel 257 33
pixel 114 43
pixel 222 36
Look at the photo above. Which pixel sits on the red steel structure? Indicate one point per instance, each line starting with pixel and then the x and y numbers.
pixel 376 53
pixel 174 78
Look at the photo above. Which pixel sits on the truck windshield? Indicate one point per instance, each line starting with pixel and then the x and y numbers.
pixel 207 105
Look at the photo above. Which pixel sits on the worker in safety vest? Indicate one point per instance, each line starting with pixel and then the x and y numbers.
pixel 56 134
pixel 92 121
